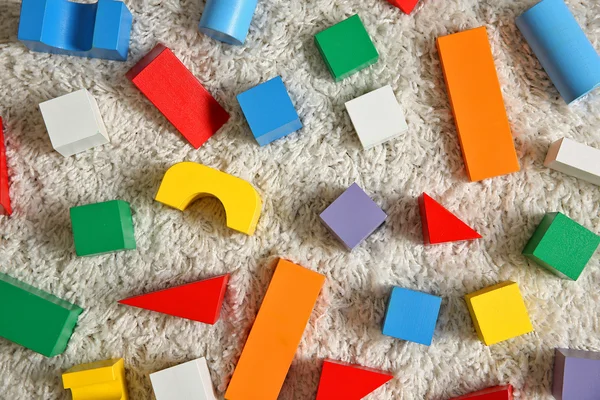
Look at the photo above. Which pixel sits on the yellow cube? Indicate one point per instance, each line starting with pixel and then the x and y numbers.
pixel 499 313
pixel 101 380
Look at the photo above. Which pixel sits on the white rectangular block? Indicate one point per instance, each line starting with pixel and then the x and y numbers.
pixel 74 122
pixel 575 159
pixel 377 117
pixel 187 381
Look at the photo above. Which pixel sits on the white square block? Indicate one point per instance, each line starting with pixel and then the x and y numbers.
pixel 575 159
pixel 187 381
pixel 74 122
pixel 377 117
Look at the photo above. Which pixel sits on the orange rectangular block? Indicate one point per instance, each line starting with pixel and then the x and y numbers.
pixel 477 104
pixel 276 333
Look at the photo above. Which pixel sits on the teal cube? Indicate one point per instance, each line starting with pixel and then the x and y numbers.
pixel 561 245
pixel 100 228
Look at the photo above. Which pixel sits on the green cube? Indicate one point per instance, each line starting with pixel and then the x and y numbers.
pixel 35 319
pixel 102 228
pixel 346 47
pixel 561 245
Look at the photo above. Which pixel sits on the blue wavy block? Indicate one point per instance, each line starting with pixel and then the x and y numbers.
pixel 227 20
pixel 562 48
pixel 98 30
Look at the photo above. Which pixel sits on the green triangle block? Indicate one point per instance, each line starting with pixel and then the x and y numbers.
pixel 35 319
pixel 100 228
pixel 561 245
pixel 346 47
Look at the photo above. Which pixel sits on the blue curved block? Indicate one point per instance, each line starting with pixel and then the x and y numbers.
pixel 227 20
pixel 562 48
pixel 98 30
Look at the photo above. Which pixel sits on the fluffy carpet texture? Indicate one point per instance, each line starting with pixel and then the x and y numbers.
pixel 298 177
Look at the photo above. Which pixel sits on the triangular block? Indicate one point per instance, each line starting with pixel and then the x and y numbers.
pixel 199 301
pixel 492 393
pixel 440 225
pixel 349 382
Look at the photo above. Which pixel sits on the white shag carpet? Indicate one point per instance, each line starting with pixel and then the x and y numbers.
pixel 298 177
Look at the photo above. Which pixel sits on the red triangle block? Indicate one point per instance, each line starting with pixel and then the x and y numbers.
pixel 493 393
pixel 405 5
pixel 5 207
pixel 199 301
pixel 348 382
pixel 440 225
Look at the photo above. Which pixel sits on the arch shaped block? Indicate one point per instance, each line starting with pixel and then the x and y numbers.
pixel 187 181
pixel 97 30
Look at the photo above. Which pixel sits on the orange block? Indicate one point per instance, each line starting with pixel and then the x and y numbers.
pixel 276 333
pixel 477 104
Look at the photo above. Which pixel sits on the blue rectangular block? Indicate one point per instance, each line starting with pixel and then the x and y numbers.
pixel 411 315
pixel 97 30
pixel 269 111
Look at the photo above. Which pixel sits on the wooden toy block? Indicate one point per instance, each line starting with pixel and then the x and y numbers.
pixel 477 104
pixel 575 159
pixel 269 111
pixel 187 381
pixel 576 375
pixel 98 30
pixel 5 207
pixel 100 228
pixel 276 333
pixel 35 319
pixel 178 95
pixel 187 181
pixel 493 393
pixel 440 225
pixel 498 313
pixel 377 117
pixel 199 301
pixel 227 20
pixel 407 6
pixel 349 382
pixel 411 315
pixel 100 380
pixel 562 48
pixel 346 47
pixel 74 123
pixel 353 217
pixel 561 245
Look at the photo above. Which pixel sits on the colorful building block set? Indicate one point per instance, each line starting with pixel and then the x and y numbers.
pixel 44 324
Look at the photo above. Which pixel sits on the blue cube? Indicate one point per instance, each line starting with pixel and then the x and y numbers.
pixel 411 315
pixel 269 111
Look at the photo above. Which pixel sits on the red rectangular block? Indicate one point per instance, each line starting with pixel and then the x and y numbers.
pixel 178 94
pixel 4 195
pixel 492 393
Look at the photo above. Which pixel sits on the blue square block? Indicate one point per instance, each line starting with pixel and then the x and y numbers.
pixel 411 315
pixel 269 111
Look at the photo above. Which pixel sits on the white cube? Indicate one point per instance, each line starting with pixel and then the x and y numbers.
pixel 575 159
pixel 187 381
pixel 74 122
pixel 377 117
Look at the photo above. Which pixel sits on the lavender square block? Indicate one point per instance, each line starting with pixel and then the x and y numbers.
pixel 353 216
pixel 576 375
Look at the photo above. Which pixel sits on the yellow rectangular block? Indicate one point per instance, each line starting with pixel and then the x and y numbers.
pixel 276 333
pixel 499 313
pixel 100 380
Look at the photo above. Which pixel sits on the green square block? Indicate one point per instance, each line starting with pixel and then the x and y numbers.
pixel 35 319
pixel 102 228
pixel 561 245
pixel 346 47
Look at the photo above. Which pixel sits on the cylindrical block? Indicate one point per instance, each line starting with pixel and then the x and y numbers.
pixel 562 48
pixel 227 20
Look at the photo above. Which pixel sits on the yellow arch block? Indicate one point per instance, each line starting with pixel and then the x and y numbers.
pixel 187 181
pixel 101 380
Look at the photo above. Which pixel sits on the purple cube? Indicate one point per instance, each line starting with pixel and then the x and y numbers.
pixel 576 375
pixel 353 216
